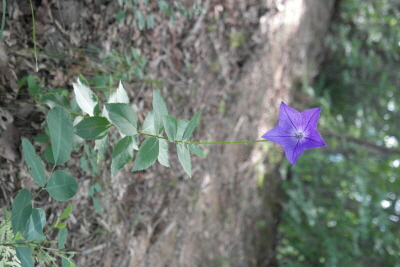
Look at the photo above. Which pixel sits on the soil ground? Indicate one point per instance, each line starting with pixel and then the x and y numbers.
pixel 236 59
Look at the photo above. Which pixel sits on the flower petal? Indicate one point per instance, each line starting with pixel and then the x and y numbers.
pixel 280 135
pixel 313 139
pixel 310 118
pixel 289 117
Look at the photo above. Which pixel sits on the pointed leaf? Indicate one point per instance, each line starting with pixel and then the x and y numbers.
pixel 123 117
pixel 92 128
pixel 148 124
pixel 67 211
pixel 147 155
pixel 122 154
pixel 163 153
pixel 97 206
pixel 101 146
pixel 191 126
pixel 119 96
pixel 184 158
pixel 34 230
pixel 85 97
pixel 35 165
pixel 196 150
pixel 62 237
pixel 21 211
pixel 61 134
pixel 160 110
pixel 62 186
pixel 171 127
pixel 53 100
pixel 181 129
pixel 24 254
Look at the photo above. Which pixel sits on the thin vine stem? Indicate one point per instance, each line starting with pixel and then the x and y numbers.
pixel 3 19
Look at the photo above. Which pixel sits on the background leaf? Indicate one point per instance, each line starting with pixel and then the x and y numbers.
pixel 163 153
pixel 160 110
pixel 101 146
pixel 92 128
pixel 54 99
pixel 85 97
pixel 62 186
pixel 67 211
pixel 191 126
pixel 147 155
pixel 21 211
pixel 184 158
pixel 122 154
pixel 123 117
pixel 24 254
pixel 171 127
pixel 62 237
pixel 61 134
pixel 35 165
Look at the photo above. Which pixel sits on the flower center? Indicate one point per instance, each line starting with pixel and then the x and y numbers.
pixel 299 135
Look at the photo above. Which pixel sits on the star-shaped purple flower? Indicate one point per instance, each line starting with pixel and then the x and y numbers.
pixel 296 131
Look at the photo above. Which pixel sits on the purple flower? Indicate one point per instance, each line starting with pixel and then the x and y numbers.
pixel 296 131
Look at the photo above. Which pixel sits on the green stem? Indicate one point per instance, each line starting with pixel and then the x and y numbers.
pixel 3 19
pixel 216 143
pixel 34 36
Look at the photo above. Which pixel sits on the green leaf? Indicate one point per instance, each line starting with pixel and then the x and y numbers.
pixel 33 88
pixel 184 158
pixel 122 154
pixel 147 155
pixel 62 237
pixel 101 146
pixel 60 225
pixel 123 117
pixel 85 97
pixel 61 134
pixel 67 211
pixel 42 138
pixel 160 110
pixel 196 150
pixel 119 96
pixel 191 126
pixel 21 211
pixel 34 230
pixel 97 206
pixel 66 262
pixel 92 128
pixel 35 165
pixel 148 124
pixel 97 186
pixel 171 127
pixel 181 129
pixel 139 18
pixel 62 186
pixel 24 254
pixel 163 153
pixel 48 154
pixel 54 100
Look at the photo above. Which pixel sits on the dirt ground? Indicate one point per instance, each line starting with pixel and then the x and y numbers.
pixel 237 59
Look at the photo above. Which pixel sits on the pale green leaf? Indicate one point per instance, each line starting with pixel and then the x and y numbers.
pixel 97 206
pixel 62 237
pixel 191 126
pixel 160 110
pixel 171 127
pixel 85 97
pixel 163 153
pixel 35 165
pixel 61 134
pixel 147 155
pixel 123 117
pixel 181 129
pixel 184 158
pixel 101 146
pixel 196 150
pixel 62 186
pixel 122 154
pixel 148 124
pixel 92 128
pixel 21 211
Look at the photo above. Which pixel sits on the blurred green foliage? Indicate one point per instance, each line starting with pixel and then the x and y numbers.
pixel 343 201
